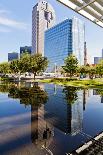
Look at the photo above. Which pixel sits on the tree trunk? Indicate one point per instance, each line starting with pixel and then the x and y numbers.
pixel 19 76
pixel 34 75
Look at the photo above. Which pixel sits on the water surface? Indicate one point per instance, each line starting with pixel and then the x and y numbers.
pixel 47 119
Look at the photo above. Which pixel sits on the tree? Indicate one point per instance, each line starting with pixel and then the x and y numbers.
pixel 99 68
pixel 91 71
pixel 33 96
pixel 14 66
pixel 83 70
pixel 71 65
pixel 38 64
pixel 24 62
pixel 70 94
pixel 4 68
pixel 22 65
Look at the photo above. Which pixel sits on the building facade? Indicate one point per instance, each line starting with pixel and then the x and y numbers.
pixel 13 56
pixel 25 49
pixel 43 17
pixel 64 39
pixel 98 59
pixel 67 117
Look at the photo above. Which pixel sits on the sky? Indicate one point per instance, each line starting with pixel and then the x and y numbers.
pixel 16 24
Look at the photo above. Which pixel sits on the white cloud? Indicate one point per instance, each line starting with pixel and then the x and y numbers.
pixel 12 23
pixel 6 21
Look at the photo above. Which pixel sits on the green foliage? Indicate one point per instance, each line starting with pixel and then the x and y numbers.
pixel 4 68
pixel 32 63
pixel 27 63
pixel 92 71
pixel 24 62
pixel 70 94
pixel 92 83
pixel 28 95
pixel 14 66
pixel 71 65
pixel 83 69
pixel 63 79
pixel 38 64
pixel 99 68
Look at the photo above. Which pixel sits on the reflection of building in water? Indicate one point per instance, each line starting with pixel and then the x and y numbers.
pixel 77 114
pixel 31 84
pixel 101 99
pixel 41 131
pixel 55 89
pixel 64 116
pixel 96 92
pixel 85 97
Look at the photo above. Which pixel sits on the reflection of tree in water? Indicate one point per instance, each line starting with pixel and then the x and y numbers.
pixel 70 94
pixel 27 95
pixel 99 92
pixel 4 88
pixel 33 96
pixel 41 131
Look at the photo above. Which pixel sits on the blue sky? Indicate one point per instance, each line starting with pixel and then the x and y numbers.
pixel 15 26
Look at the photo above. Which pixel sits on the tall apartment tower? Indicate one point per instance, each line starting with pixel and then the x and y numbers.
pixel 85 53
pixel 43 18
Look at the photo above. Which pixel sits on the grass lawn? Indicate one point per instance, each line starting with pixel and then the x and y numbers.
pixel 77 83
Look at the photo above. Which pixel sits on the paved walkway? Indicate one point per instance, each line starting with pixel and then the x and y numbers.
pixel 93 147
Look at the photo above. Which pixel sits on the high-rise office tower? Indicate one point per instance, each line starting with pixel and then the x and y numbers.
pixel 64 39
pixel 43 17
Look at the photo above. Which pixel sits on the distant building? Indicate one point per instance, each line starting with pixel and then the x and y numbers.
pixel 98 59
pixel 13 56
pixel 25 49
pixel 43 17
pixel 102 53
pixel 64 39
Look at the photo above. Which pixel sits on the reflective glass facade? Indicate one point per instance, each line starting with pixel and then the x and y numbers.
pixel 13 56
pixel 62 40
pixel 25 49
pixel 78 39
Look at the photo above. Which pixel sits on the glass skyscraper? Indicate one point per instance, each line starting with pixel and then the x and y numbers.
pixel 64 39
pixel 43 17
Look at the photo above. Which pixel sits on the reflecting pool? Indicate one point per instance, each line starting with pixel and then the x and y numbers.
pixel 46 119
